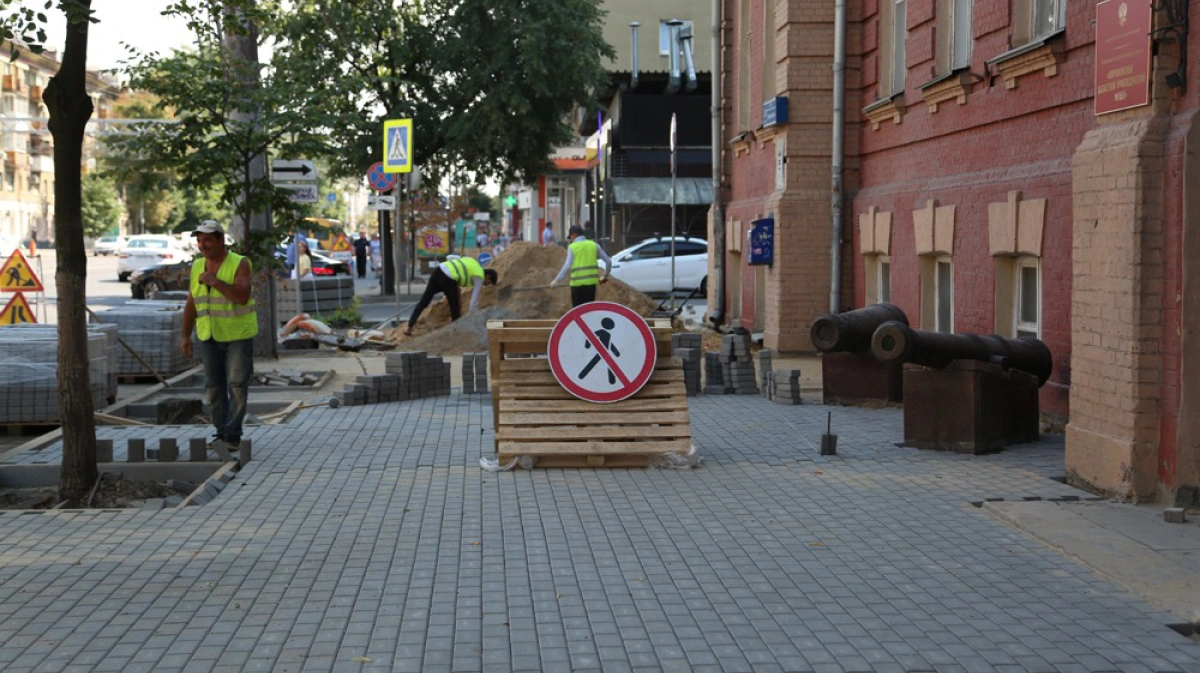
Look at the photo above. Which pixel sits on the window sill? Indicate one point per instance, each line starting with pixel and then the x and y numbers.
pixel 765 135
pixel 1044 54
pixel 884 109
pixel 741 143
pixel 953 86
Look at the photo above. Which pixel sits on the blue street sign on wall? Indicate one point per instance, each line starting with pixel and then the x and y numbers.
pixel 762 241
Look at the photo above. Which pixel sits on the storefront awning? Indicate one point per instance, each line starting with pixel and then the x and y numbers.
pixel 657 191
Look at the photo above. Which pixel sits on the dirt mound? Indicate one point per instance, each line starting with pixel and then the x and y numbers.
pixel 525 269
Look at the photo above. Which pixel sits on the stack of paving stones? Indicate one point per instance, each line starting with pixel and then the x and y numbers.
pixel 152 328
pixel 409 376
pixel 765 373
pixel 475 373
pixel 99 370
pixel 785 386
pixel 29 374
pixel 737 364
pixel 689 347
pixel 714 375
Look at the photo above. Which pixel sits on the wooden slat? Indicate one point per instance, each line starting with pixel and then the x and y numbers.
pixel 556 392
pixel 574 405
pixel 614 460
pixel 564 433
pixel 593 448
pixel 595 418
pixel 543 365
pixel 547 377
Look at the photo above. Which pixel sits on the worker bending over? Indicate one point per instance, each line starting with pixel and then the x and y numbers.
pixel 447 279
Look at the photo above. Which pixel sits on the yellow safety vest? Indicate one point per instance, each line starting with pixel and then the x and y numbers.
pixel 463 269
pixel 217 317
pixel 585 269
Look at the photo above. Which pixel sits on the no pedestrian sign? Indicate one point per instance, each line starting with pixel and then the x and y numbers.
pixel 602 352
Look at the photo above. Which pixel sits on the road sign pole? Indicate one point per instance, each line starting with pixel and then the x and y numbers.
pixel 387 285
pixel 401 267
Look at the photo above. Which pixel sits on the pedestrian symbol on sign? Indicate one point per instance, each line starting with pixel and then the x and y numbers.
pixel 605 337
pixel 399 146
pixel 17 276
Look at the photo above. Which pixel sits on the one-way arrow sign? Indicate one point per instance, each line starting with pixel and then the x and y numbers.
pixel 288 170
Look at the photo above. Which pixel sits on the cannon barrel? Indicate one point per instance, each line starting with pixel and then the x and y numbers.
pixel 897 342
pixel 852 330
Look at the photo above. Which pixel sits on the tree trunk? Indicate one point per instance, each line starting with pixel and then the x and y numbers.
pixel 70 108
pixel 243 46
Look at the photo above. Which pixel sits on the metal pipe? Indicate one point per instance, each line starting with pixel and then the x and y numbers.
pixel 838 152
pixel 633 80
pixel 717 315
pixel 673 56
pixel 686 38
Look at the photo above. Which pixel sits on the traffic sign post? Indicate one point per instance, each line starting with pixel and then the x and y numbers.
pixel 379 180
pixel 381 202
pixel 17 311
pixel 293 170
pixel 397 146
pixel 602 352
pixel 301 192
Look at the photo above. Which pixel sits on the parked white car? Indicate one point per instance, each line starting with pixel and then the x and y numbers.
pixel 647 265
pixel 108 245
pixel 8 245
pixel 150 250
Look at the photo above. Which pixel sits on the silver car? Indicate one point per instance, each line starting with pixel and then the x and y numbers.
pixel 150 250
pixel 108 245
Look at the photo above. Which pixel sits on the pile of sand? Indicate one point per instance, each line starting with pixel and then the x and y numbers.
pixel 522 265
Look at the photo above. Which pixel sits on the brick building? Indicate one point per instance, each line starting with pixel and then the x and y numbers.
pixel 984 194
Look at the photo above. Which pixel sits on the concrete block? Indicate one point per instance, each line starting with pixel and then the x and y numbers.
pixel 104 450
pixel 197 449
pixel 136 450
pixel 1175 515
pixel 244 451
pixel 172 501
pixel 168 450
pixel 154 503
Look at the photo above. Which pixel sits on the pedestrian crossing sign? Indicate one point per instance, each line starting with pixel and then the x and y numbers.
pixel 17 276
pixel 397 146
pixel 17 312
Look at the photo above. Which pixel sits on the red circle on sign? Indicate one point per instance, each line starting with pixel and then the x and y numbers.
pixel 628 385
pixel 380 181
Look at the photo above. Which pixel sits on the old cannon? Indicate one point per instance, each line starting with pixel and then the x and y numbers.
pixel 897 342
pixel 851 331
pixel 849 373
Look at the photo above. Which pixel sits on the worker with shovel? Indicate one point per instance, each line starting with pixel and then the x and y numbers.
pixel 447 279
pixel 582 263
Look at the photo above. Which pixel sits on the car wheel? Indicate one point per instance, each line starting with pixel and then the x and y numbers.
pixel 150 288
pixel 122 276
pixel 704 287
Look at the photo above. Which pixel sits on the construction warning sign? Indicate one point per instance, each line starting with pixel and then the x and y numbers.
pixel 17 276
pixel 17 312
pixel 340 243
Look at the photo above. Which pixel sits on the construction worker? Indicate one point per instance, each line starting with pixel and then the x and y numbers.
pixel 220 307
pixel 447 279
pixel 582 264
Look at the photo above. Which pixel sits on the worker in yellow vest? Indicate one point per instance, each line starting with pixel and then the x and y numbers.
pixel 220 307
pixel 583 265
pixel 451 275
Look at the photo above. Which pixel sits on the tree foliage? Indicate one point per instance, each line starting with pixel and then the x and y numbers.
pixel 101 206
pixel 491 85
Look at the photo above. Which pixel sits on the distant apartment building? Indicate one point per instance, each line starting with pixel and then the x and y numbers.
pixel 27 182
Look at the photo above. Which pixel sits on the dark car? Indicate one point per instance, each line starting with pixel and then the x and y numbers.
pixel 149 281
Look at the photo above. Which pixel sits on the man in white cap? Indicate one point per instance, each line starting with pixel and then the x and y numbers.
pixel 220 307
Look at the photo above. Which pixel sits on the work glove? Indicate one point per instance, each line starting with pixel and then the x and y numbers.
pixel 554 283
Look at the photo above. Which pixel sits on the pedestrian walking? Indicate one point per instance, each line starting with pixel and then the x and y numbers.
pixel 548 234
pixel 303 260
pixel 481 239
pixel 362 248
pixel 376 255
pixel 220 308
pixel 447 279
pixel 583 265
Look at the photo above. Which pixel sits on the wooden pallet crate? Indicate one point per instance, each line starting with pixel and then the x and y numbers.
pixel 535 416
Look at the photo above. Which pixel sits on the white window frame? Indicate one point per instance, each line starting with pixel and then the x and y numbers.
pixel 1020 326
pixel 883 281
pixel 940 301
pixel 962 41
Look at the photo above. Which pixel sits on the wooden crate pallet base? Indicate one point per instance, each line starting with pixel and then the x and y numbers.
pixel 536 417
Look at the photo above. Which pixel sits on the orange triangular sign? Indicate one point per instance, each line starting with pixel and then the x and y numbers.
pixel 17 311
pixel 341 244
pixel 17 276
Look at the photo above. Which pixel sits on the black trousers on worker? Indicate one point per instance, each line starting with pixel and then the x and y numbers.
pixel 582 294
pixel 438 282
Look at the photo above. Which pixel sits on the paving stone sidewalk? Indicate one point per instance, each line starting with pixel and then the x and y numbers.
pixel 368 539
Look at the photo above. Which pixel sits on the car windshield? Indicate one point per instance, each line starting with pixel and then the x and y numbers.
pixel 148 244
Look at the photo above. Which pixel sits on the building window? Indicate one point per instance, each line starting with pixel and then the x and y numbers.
pixel 743 119
pixel 937 293
pixel 769 62
pixel 1037 19
pixel 892 61
pixel 664 35
pixel 954 36
pixel 878 273
pixel 9 181
pixel 1028 296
